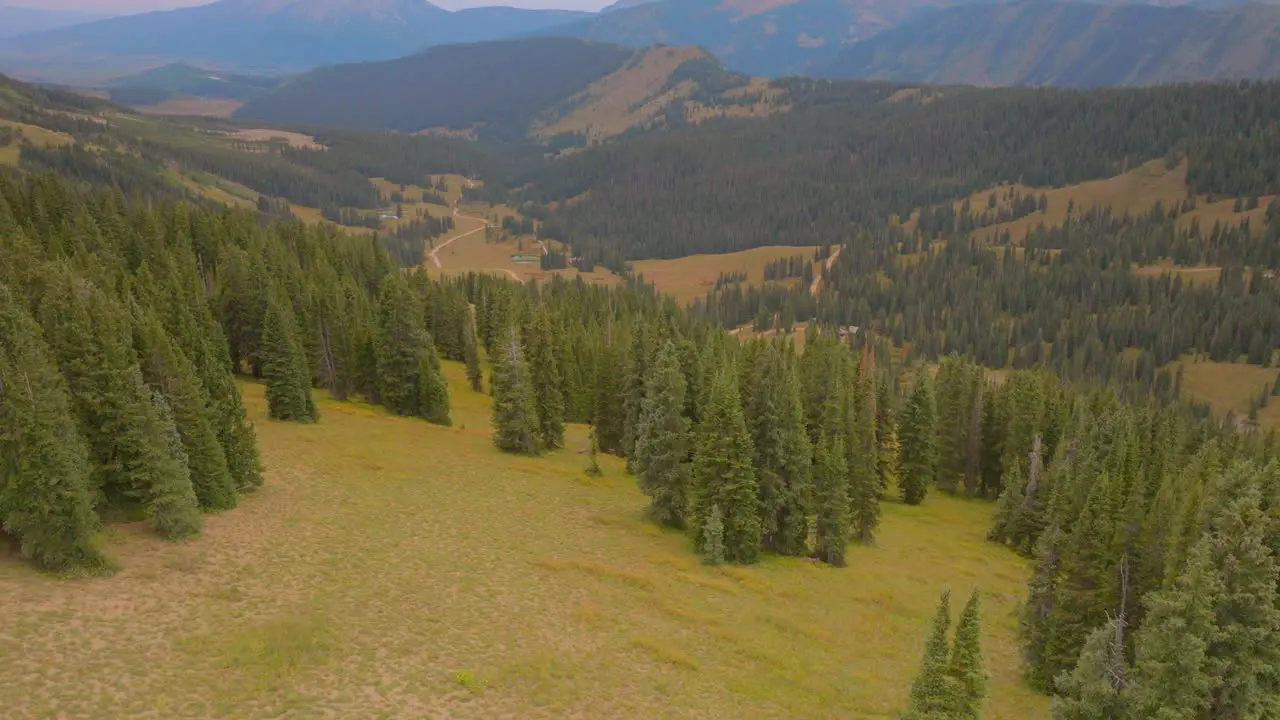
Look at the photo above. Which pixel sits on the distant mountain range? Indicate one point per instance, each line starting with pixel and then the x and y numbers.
pixel 266 35
pixel 1070 45
pixel 962 41
pixel 15 21
pixel 562 90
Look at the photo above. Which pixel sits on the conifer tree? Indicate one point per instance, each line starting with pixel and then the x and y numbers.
pixel 662 442
pixel 471 354
pixel 637 371
pixel 966 663
pixel 593 461
pixel 775 417
pixel 127 434
pixel 284 367
pixel 548 388
pixel 400 342
pixel 515 413
pixel 168 370
pixel 435 390
pixel 864 480
pixel 723 475
pixel 932 694
pixel 919 439
pixel 1092 689
pixel 45 497
pixel 831 486
pixel 887 465
pixel 1171 677
pixel 713 537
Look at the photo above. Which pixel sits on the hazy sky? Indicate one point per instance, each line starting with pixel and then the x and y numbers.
pixel 128 6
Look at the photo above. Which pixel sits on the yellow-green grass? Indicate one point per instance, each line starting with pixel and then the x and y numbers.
pixel 392 569
pixel 1134 192
pixel 1231 386
pixel 33 134
pixel 1195 276
pixel 474 253
pixel 692 277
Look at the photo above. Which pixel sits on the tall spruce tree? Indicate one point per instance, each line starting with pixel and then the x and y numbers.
pixel 932 694
pixel 168 370
pixel 515 413
pixel 471 354
pixel 400 342
pixel 723 475
pixel 661 460
pixel 548 390
pixel 831 488
pixel 1092 689
pixel 775 417
pixel 434 399
pixel 45 496
pixel 918 436
pixel 284 367
pixel 864 480
pixel 966 663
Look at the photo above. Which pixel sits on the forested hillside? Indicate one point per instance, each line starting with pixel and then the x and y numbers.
pixel 853 155
pixel 1069 45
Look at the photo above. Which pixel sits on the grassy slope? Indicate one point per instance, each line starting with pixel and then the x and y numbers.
pixel 1230 386
pixel 693 277
pixel 389 566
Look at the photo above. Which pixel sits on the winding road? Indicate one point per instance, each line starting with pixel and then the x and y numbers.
pixel 484 225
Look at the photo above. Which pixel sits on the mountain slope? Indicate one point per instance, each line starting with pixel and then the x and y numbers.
pixel 1070 44
pixel 501 86
pixel 179 80
pixel 16 21
pixel 257 35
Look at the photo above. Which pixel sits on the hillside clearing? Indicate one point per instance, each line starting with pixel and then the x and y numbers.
pixel 292 139
pixel 1229 387
pixel 193 107
pixel 692 277
pixel 392 569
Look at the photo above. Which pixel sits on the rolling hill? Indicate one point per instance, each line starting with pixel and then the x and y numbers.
pixel 264 35
pixel 1070 45
pixel 545 87
pixel 179 80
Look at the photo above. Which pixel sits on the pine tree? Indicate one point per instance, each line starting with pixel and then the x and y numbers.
pixel 284 367
pixel 471 354
pixel 831 487
pixel 45 497
pixel 1091 690
pixel 174 508
pixel 864 480
pixel 932 692
pixel 633 389
pixel 966 663
pixel 1171 677
pixel 662 442
pixel 919 438
pixel 168 370
pixel 723 475
pixel 548 388
pixel 435 390
pixel 887 467
pixel 713 537
pixel 401 339
pixel 593 461
pixel 515 413
pixel 775 417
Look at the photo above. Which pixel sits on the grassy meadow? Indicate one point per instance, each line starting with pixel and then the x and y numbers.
pixel 1230 386
pixel 392 569
pixel 692 277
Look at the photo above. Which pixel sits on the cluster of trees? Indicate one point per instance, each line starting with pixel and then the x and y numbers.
pixel 116 393
pixel 796 266
pixel 951 683
pixel 350 216
pixel 1004 207
pixel 408 243
pixel 839 164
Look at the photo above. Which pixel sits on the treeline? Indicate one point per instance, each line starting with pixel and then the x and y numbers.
pixel 835 167
pixel 116 394
pixel 1002 207
pixel 796 266
pixel 408 243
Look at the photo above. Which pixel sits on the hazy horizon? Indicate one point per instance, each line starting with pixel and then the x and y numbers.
pixel 122 7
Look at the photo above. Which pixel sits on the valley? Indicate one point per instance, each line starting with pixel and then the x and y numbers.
pixel 565 372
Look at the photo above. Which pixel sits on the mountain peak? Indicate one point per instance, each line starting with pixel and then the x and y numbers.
pixel 333 10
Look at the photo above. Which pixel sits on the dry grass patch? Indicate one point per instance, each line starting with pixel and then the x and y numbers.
pixel 692 277
pixel 33 134
pixel 1230 387
pixel 197 107
pixel 665 652
pixel 296 140
pixel 1195 276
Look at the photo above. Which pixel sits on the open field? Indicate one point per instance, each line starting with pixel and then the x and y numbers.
pixel 1230 386
pixel 1196 276
pixel 392 569
pixel 692 277
pixel 292 139
pixel 196 106
pixel 33 134
pixel 1136 191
